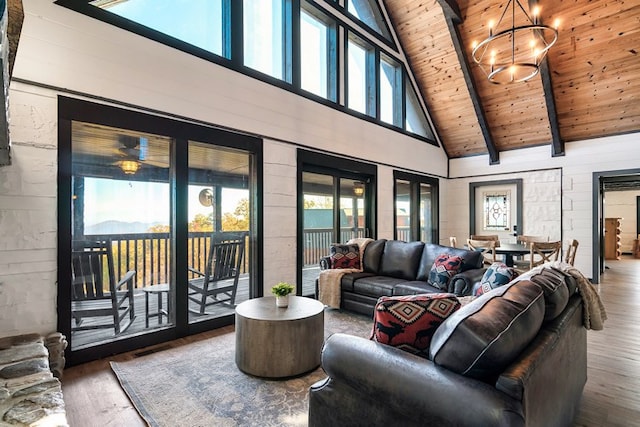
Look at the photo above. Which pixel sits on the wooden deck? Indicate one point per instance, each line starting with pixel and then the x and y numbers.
pixel 83 339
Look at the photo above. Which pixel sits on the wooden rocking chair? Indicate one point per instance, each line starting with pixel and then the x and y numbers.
pixel 219 281
pixel 91 266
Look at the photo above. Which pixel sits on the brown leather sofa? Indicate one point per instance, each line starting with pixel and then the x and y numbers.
pixel 515 356
pixel 394 267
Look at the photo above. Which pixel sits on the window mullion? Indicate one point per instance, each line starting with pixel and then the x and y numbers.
pixel 236 33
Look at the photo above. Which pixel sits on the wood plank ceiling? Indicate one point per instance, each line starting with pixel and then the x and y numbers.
pixel 589 87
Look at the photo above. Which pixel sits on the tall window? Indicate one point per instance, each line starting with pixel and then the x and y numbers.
pixel 390 91
pixel 317 52
pixel 416 207
pixel 258 35
pixel 361 90
pixel 415 120
pixel 264 36
pixel 369 12
pixel 197 22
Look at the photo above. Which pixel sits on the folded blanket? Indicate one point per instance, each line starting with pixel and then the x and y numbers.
pixel 329 280
pixel 594 312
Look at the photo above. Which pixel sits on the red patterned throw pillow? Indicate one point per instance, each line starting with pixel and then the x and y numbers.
pixel 345 256
pixel 408 322
pixel 444 267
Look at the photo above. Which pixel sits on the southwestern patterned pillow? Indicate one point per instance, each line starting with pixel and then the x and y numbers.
pixel 497 274
pixel 409 321
pixel 345 256
pixel 444 268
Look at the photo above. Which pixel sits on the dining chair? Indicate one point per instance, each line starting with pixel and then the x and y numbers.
pixel 219 281
pixel 530 239
pixel 95 293
pixel 542 252
pixel 453 242
pixel 485 237
pixel 570 257
pixel 486 247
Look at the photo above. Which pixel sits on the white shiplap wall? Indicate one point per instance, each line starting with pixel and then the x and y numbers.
pixel 581 160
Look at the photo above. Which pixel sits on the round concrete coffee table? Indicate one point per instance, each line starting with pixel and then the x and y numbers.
pixel 277 342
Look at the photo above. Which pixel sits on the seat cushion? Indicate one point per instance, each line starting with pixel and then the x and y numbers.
pixel 376 286
pixel 482 338
pixel 443 269
pixel 415 287
pixel 408 322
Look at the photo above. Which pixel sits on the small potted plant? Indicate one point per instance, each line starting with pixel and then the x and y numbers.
pixel 282 291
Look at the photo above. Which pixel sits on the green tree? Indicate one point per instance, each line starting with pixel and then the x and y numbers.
pixel 239 219
pixel 202 222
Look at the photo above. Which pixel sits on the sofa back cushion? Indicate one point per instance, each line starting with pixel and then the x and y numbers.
pixel 401 259
pixel 470 259
pixel 482 338
pixel 372 256
pixel 556 293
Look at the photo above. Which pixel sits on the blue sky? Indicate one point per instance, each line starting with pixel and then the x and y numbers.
pixel 131 201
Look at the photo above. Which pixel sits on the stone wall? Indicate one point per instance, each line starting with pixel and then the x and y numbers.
pixel 30 394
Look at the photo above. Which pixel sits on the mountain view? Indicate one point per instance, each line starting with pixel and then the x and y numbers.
pixel 119 227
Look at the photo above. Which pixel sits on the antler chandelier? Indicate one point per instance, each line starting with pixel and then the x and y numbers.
pixel 513 53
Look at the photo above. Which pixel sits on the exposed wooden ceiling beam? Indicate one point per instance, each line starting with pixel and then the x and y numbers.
pixel 557 146
pixel 453 16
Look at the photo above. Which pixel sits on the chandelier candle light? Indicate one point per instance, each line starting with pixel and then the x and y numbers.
pixel 513 54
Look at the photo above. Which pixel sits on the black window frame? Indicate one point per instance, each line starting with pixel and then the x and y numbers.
pixel 182 130
pixel 234 43
pixel 414 182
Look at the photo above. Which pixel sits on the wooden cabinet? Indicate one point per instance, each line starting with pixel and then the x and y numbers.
pixel 612 238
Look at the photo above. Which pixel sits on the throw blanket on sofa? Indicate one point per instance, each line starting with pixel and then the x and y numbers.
pixel 329 280
pixel 594 312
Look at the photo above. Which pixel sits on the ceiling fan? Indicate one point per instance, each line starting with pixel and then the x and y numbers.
pixel 133 151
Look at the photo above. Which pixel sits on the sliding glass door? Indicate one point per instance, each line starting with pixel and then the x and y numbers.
pixel 416 207
pixel 335 207
pixel 157 234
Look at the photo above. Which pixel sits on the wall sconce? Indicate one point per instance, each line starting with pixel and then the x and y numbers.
pixel 129 167
pixel 358 188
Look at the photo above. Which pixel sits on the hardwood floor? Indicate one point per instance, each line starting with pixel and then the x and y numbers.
pixel 94 398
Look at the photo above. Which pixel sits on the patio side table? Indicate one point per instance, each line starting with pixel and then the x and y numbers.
pixel 160 289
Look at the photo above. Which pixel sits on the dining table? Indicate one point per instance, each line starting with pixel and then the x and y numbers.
pixel 509 250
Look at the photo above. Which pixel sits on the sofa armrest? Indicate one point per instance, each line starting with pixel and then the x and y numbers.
pixel 325 263
pixel 408 384
pixel 462 284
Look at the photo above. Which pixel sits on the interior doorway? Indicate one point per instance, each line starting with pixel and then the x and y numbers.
pixel 607 182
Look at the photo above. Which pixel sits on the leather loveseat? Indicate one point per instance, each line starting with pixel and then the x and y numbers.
pixel 515 356
pixel 394 267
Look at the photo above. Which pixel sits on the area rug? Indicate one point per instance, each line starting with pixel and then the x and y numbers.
pixel 199 384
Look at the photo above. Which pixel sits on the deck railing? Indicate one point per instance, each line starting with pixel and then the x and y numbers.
pixel 317 242
pixel 149 253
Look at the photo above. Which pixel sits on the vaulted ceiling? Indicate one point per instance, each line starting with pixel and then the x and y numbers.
pixel 589 86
